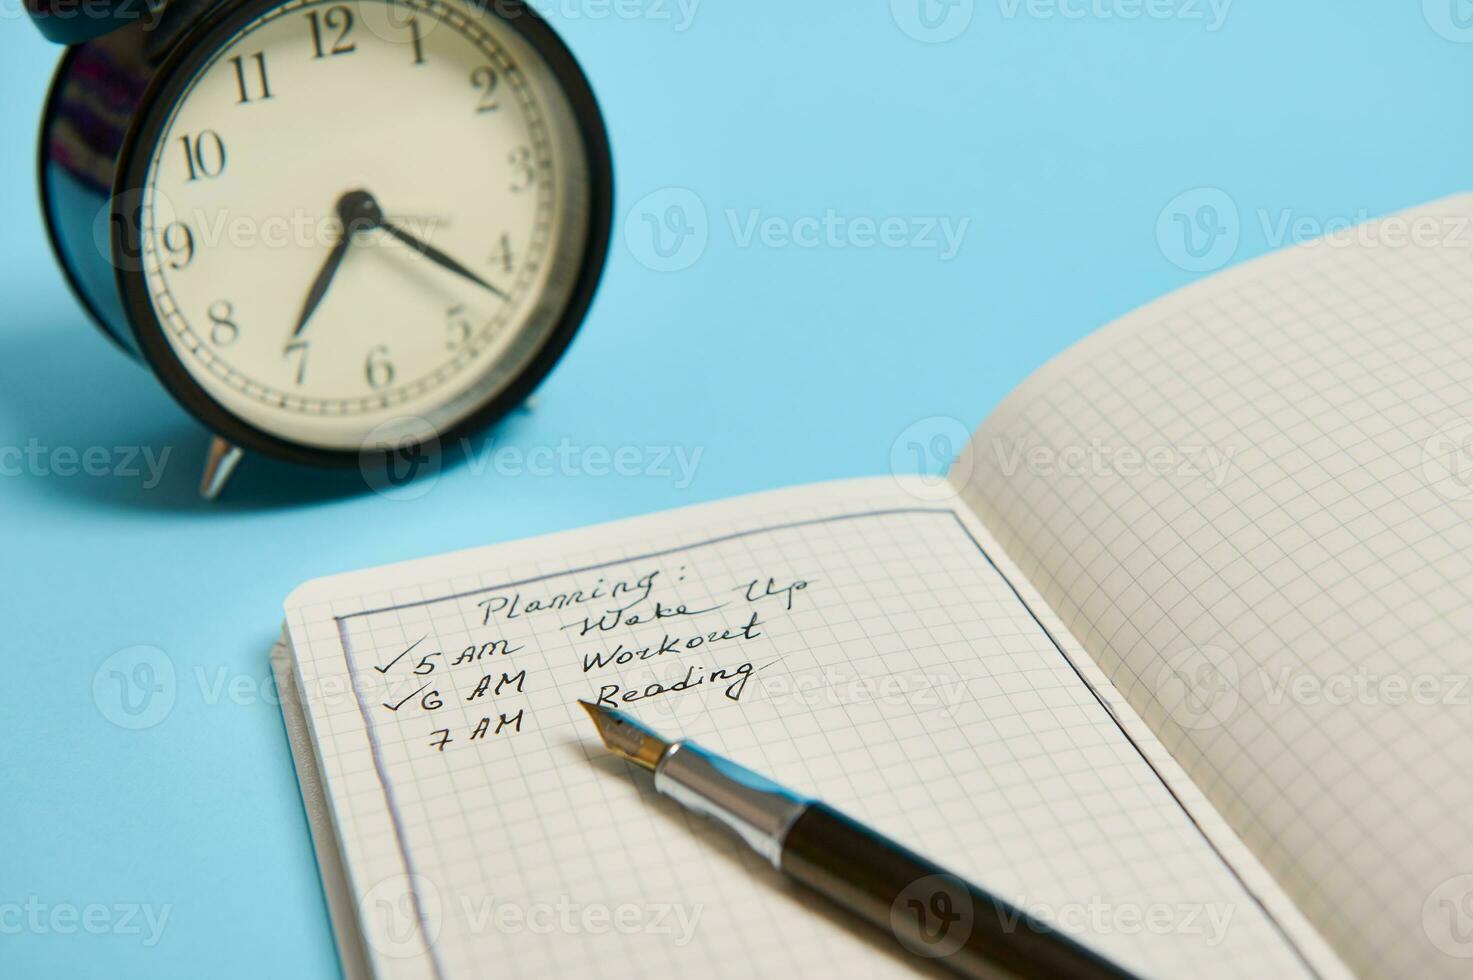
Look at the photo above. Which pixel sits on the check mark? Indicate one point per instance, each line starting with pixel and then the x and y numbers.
pixel 396 707
pixel 385 668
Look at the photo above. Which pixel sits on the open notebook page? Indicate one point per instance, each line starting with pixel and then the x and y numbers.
pixel 1252 502
pixel 854 640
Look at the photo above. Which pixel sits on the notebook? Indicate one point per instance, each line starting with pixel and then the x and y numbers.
pixel 1176 658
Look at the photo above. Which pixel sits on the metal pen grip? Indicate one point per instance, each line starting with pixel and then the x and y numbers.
pixel 753 806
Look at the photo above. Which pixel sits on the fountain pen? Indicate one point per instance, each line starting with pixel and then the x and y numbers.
pixel 926 909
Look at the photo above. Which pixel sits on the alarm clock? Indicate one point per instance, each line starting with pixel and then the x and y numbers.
pixel 334 231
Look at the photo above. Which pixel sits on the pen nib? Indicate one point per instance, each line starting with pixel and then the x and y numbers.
pixel 626 737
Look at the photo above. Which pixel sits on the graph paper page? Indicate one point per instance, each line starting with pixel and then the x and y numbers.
pixel 857 641
pixel 1252 502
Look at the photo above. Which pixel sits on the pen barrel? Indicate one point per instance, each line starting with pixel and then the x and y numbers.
pixel 929 911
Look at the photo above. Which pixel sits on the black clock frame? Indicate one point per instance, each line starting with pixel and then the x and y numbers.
pixel 177 71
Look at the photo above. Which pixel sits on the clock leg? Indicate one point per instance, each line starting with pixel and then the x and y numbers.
pixel 219 465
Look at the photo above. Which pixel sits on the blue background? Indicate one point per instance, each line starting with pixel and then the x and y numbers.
pixel 1064 140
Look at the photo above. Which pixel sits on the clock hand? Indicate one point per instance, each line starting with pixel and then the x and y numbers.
pixel 356 210
pixel 438 257
pixel 320 284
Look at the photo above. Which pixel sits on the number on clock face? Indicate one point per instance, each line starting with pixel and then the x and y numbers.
pixel 352 212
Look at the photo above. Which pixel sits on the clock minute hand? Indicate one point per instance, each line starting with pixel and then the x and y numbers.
pixel 357 211
pixel 320 284
pixel 438 257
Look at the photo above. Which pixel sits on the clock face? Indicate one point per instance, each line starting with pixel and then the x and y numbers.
pixel 358 218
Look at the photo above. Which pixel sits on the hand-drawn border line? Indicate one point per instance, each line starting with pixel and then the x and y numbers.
pixel 893 512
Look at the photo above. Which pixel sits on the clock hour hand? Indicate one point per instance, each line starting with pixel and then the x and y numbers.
pixel 438 257
pixel 357 211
